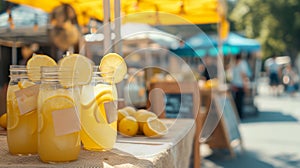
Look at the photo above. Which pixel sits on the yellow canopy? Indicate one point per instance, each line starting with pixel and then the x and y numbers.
pixel 172 12
pixel 84 9
pixel 162 12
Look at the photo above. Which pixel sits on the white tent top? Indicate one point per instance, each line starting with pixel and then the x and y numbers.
pixel 24 19
pixel 24 16
pixel 136 31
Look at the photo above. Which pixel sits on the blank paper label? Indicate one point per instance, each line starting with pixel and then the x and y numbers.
pixel 111 111
pixel 27 99
pixel 65 121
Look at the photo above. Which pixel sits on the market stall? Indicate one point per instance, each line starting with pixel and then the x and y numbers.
pixel 216 15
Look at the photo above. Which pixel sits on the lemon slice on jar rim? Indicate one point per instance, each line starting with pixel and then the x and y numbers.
pixel 113 64
pixel 35 62
pixel 75 69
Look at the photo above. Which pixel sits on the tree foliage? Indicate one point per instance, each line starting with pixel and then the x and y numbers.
pixel 275 23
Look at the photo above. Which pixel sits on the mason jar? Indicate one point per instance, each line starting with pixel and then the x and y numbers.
pixel 99 112
pixel 58 117
pixel 22 96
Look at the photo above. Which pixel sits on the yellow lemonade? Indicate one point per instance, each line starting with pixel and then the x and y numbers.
pixel 98 101
pixel 21 129
pixel 58 118
pixel 54 146
pixel 98 132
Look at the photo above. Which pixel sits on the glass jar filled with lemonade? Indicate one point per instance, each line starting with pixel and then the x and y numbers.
pixel 22 96
pixel 99 112
pixel 58 116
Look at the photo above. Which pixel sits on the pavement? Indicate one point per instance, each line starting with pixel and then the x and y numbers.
pixel 270 140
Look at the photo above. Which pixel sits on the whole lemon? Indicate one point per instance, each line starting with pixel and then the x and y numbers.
pixel 121 114
pixel 3 121
pixel 128 126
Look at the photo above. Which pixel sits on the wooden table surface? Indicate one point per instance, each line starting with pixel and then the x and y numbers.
pixel 173 150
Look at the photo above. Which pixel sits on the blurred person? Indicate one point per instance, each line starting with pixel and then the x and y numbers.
pixel 210 68
pixel 290 80
pixel 274 72
pixel 249 71
pixel 26 52
pixel 239 83
pixel 201 69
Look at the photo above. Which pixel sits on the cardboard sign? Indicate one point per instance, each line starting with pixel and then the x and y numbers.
pixel 226 134
pixel 27 99
pixel 66 121
pixel 111 111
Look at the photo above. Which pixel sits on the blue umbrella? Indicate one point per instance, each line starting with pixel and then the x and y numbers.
pixel 226 50
pixel 184 51
pixel 243 43
pixel 196 46
pixel 202 44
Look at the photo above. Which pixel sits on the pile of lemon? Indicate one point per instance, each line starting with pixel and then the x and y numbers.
pixel 132 122
pixel 3 121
